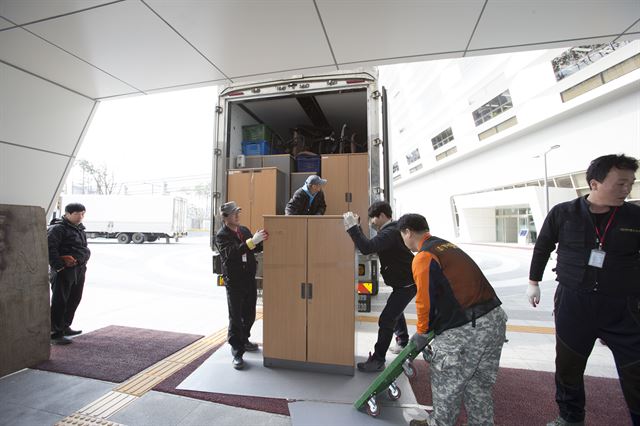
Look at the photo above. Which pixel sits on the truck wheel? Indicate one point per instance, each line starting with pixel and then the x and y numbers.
pixel 124 238
pixel 138 238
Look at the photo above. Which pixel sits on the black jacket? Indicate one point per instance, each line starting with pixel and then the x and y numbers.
pixel 234 270
pixel 66 239
pixel 299 204
pixel 395 257
pixel 571 225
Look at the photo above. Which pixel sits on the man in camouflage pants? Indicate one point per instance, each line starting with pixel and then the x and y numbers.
pixel 456 301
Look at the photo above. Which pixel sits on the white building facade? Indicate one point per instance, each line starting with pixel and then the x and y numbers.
pixel 469 137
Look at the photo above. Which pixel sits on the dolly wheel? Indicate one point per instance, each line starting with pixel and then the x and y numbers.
pixel 393 392
pixel 409 369
pixel 372 408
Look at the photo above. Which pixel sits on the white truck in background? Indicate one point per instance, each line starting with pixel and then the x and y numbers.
pixel 137 218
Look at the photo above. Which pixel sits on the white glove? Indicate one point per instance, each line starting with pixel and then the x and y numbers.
pixel 533 293
pixel 259 236
pixel 349 220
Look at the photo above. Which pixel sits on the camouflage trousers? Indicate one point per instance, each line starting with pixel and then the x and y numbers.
pixel 464 368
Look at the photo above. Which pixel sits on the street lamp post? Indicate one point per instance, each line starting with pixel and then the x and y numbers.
pixel 546 179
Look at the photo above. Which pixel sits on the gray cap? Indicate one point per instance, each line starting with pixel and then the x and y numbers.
pixel 315 180
pixel 229 208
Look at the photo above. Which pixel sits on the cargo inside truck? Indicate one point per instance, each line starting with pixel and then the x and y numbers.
pixel 311 123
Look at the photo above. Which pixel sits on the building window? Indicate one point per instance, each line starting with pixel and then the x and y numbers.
pixel 442 139
pixel 446 153
pixel 499 128
pixel 494 107
pixel 413 156
pixel 611 73
pixel 573 60
pixel 415 169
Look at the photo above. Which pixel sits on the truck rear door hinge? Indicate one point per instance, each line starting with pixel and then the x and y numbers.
pixel 216 194
pixel 375 94
pixel 218 109
pixel 377 190
pixel 217 152
pixel 377 142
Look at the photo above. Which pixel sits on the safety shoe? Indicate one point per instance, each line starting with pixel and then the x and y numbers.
pixel 371 365
pixel 251 347
pixel 71 332
pixel 59 339
pixel 415 422
pixel 238 362
pixel 397 348
pixel 562 422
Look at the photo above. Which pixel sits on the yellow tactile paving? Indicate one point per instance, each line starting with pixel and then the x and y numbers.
pixel 513 328
pixel 78 419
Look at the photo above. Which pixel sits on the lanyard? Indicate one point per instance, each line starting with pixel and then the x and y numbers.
pixel 606 228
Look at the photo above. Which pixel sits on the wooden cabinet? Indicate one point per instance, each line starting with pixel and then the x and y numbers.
pixel 258 192
pixel 347 188
pixel 309 294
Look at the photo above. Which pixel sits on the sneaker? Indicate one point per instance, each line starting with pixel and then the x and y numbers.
pixel 251 347
pixel 562 422
pixel 397 348
pixel 238 362
pixel 71 332
pixel 59 339
pixel 371 365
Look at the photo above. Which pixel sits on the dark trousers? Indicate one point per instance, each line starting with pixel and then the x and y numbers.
pixel 582 317
pixel 392 320
pixel 66 288
pixel 241 300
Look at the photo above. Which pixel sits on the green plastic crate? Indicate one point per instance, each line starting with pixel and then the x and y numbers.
pixel 257 132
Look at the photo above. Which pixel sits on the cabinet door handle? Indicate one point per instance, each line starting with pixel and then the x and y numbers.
pixel 348 197
pixel 303 294
pixel 310 291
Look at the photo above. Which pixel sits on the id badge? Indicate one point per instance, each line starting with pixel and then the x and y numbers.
pixel 596 258
pixel 244 258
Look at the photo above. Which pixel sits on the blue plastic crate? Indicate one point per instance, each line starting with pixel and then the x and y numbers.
pixel 308 163
pixel 256 148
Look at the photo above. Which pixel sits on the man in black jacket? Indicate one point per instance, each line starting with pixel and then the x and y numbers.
pixel 395 261
pixel 237 247
pixel 598 272
pixel 68 256
pixel 308 200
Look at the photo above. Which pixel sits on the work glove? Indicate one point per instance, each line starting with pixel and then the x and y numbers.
pixel 69 261
pixel 259 236
pixel 420 340
pixel 350 220
pixel 533 293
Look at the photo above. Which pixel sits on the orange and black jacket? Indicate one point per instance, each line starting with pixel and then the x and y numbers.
pixel 452 290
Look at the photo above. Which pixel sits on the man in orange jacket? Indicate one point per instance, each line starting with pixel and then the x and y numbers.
pixel 457 303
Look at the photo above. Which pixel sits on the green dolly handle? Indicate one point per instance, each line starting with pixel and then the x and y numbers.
pixel 386 381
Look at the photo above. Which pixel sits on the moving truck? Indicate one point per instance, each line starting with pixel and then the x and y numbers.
pixel 271 134
pixel 132 218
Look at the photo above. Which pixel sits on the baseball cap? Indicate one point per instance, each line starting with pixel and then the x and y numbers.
pixel 229 208
pixel 315 180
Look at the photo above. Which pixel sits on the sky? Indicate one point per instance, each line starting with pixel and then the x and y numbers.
pixel 153 137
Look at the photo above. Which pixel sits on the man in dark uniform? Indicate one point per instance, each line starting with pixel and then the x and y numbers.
pixel 308 200
pixel 395 261
pixel 598 272
pixel 68 256
pixel 237 247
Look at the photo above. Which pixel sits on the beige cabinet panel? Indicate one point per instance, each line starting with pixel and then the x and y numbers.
pixel 238 184
pixel 331 308
pixel 359 188
pixel 335 168
pixel 284 270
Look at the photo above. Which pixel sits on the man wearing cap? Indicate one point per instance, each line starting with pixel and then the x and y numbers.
pixel 308 200
pixel 237 247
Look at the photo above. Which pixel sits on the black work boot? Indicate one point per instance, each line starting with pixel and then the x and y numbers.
pixel 68 331
pixel 371 365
